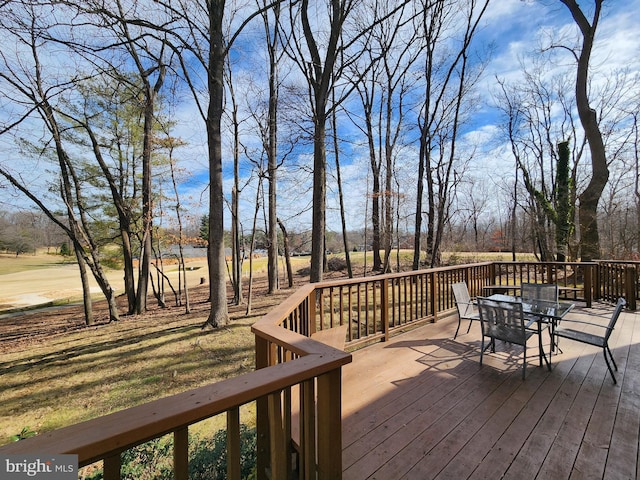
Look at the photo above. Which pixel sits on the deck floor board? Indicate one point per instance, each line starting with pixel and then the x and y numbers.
pixel 420 406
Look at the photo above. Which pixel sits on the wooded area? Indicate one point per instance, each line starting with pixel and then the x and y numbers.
pixel 107 105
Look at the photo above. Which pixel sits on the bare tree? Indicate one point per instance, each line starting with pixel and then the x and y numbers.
pixel 536 116
pixel 391 50
pixel 590 196
pixel 237 255
pixel 448 80
pixel 197 33
pixel 318 58
pixel 25 85
pixel 272 34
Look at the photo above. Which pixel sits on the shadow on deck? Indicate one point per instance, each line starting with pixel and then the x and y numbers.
pixel 421 407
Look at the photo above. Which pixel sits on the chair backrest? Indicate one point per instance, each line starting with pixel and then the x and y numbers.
pixel 539 291
pixel 463 299
pixel 461 292
pixel 614 318
pixel 502 320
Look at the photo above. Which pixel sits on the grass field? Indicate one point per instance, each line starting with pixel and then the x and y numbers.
pixel 10 263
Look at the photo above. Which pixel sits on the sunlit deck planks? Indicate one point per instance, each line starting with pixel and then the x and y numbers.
pixel 421 407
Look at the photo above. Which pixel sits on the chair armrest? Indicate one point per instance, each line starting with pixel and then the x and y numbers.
pixel 565 320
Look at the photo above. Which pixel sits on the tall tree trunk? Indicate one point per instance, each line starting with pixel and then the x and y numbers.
pixel 254 228
pixel 319 198
pixel 216 256
pixel 563 208
pixel 343 221
pixel 236 253
pixel 589 198
pixel 375 192
pixel 272 150
pixel 322 72
pixel 417 246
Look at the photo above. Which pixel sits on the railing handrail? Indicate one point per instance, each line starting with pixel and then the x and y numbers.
pixel 124 429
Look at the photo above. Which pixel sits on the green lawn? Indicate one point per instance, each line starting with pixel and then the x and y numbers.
pixel 10 263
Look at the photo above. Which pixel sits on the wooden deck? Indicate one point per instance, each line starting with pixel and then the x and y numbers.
pixel 422 407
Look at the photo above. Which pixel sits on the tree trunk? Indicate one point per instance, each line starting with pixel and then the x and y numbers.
pixel 253 243
pixel 319 199
pixel 272 153
pixel 562 202
pixel 418 216
pixel 127 258
pixel 236 252
pixel 375 193
pixel 285 241
pixel 343 221
pixel 216 256
pixel 589 198
pixel 86 288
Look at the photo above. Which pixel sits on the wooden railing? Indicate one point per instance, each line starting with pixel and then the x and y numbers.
pixel 575 279
pixel 297 382
pixel 615 279
pixel 578 281
pixel 284 359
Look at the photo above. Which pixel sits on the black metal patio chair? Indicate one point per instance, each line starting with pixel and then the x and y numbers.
pixel 598 340
pixel 540 295
pixel 502 320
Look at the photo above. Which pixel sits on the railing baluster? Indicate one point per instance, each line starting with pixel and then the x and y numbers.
pixel 181 454
pixel 279 452
pixel 112 465
pixel 233 444
pixel 384 308
pixel 308 431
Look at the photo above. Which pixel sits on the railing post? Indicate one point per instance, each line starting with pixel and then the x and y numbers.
pixel 630 287
pixel 279 453
pixel 492 274
pixel 307 430
pixel 588 284
pixel 330 425
pixel 432 293
pixel 595 282
pixel 384 308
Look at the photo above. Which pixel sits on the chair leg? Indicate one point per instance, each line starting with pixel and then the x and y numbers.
pixel 604 352
pixel 469 327
pixel 456 334
pixel 524 363
pixel 611 357
pixel 554 339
